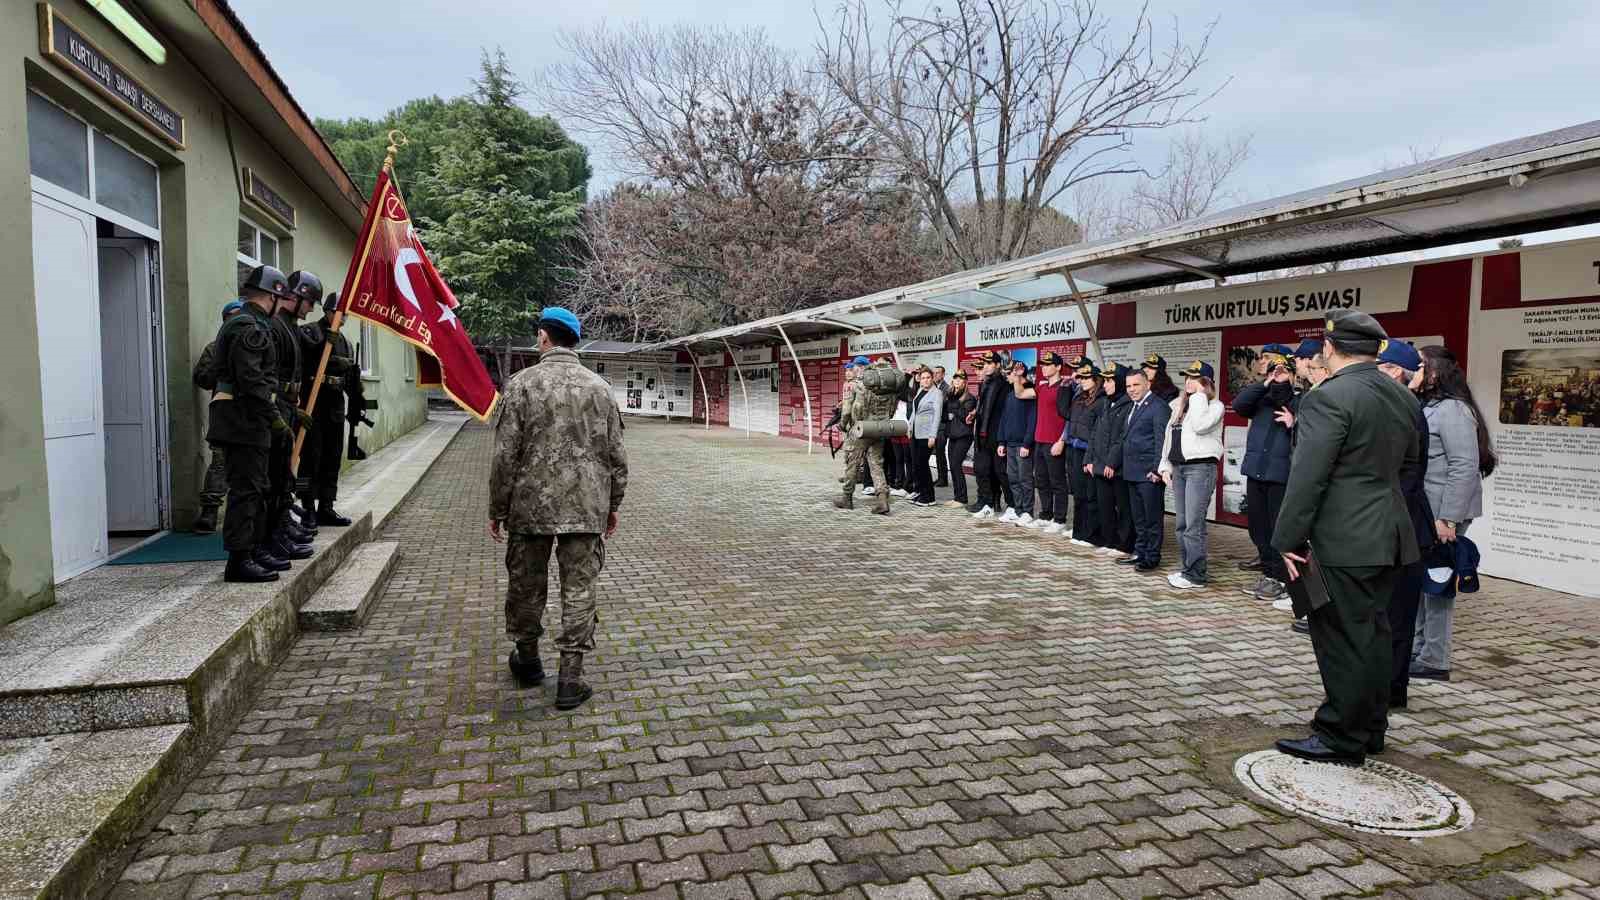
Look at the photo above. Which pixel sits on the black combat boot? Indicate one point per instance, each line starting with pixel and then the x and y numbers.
pixel 264 558
pixel 297 534
pixel 243 568
pixel 327 515
pixel 571 692
pixel 206 522
pixel 524 663
pixel 284 548
pixel 303 518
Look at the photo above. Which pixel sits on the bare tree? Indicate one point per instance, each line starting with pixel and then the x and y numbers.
pixel 1007 104
pixel 1197 179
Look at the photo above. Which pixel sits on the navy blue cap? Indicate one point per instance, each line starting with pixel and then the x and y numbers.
pixel 1199 369
pixel 562 317
pixel 1308 348
pixel 1402 354
pixel 1280 349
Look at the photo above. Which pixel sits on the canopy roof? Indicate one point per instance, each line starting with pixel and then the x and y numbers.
pixel 1549 180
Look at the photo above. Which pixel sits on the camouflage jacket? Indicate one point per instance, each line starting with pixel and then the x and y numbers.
pixel 559 465
pixel 205 368
pixel 862 405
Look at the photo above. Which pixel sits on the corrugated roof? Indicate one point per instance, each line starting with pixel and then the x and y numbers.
pixel 1533 183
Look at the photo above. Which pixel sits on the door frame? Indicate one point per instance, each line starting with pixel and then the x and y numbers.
pixel 156 410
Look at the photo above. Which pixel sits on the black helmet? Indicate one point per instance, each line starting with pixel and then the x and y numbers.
pixel 306 287
pixel 268 280
pixel 330 302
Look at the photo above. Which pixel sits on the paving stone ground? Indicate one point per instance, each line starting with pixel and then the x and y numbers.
pixel 792 700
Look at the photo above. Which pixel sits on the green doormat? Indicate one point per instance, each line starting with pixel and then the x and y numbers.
pixel 177 547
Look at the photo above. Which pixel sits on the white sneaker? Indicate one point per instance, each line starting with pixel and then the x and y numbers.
pixel 1283 604
pixel 900 492
pixel 869 491
pixel 984 513
pixel 1177 580
pixel 1078 543
pixel 1109 551
pixel 1026 521
pixel 1054 528
pixel 1009 516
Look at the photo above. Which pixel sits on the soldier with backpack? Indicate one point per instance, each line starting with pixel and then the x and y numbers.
pixel 871 400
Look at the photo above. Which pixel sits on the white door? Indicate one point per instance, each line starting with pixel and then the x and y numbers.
pixel 66 293
pixel 127 341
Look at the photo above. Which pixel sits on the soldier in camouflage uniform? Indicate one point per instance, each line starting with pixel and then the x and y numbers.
pixel 557 480
pixel 215 487
pixel 244 419
pixel 863 405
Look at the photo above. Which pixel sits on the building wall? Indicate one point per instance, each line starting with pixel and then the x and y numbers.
pixel 201 203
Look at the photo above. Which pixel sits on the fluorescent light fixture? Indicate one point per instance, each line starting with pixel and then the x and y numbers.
pixel 129 27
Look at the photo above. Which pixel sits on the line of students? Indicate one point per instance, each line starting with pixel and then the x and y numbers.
pixel 1100 443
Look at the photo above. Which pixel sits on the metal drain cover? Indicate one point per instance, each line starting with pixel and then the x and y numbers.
pixel 1376 798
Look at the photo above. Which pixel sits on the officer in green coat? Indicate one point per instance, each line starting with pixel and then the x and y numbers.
pixel 244 417
pixel 1343 505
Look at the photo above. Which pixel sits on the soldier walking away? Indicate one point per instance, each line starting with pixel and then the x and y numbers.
pixel 872 399
pixel 556 481
pixel 215 487
pixel 841 418
pixel 323 451
pixel 244 418
pixel 1344 507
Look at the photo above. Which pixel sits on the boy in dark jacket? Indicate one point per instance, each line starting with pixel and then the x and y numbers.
pixel 1088 404
pixel 1018 421
pixel 956 432
pixel 1266 462
pixel 988 467
pixel 1105 456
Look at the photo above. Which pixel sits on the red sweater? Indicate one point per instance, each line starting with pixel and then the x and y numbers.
pixel 1049 425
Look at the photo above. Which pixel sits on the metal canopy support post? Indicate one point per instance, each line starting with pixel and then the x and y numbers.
pixel 805 391
pixel 883 327
pixel 1083 310
pixel 743 391
pixel 705 395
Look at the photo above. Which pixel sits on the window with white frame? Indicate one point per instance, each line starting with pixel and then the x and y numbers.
pixel 411 364
pixel 257 247
pixel 65 152
pixel 367 350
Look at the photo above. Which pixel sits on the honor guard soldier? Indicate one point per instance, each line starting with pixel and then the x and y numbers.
pixel 215 487
pixel 324 448
pixel 289 539
pixel 1344 509
pixel 244 420
pixel 556 482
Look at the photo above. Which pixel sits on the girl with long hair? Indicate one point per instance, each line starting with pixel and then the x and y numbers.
pixel 1189 463
pixel 1459 458
pixel 1087 407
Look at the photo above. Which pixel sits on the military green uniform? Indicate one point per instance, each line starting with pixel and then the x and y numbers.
pixel 323 451
pixel 1353 433
pixel 864 405
pixel 286 338
pixel 214 489
pixel 243 414
pixel 559 470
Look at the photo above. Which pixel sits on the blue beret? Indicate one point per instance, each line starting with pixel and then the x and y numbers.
pixel 1280 349
pixel 1402 354
pixel 232 306
pixel 563 318
pixel 1308 348
pixel 861 362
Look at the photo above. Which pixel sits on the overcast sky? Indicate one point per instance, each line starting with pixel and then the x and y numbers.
pixel 1328 91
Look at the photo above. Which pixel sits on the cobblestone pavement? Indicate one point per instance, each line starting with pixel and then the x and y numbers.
pixel 793 700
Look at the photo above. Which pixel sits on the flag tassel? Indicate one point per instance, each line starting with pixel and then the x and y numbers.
pixel 397 140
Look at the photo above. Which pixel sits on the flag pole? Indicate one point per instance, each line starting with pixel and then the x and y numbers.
pixel 396 141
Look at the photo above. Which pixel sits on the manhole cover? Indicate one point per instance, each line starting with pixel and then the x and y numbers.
pixel 1376 798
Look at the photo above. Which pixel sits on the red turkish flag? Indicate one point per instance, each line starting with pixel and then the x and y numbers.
pixel 394 285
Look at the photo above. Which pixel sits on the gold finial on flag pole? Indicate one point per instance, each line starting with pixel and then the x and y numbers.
pixel 397 139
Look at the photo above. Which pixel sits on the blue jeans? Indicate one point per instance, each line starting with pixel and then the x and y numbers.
pixel 1019 472
pixel 1148 501
pixel 1193 487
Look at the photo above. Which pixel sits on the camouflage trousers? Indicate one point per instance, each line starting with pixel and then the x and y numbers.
pixel 872 451
pixel 580 557
pixel 215 488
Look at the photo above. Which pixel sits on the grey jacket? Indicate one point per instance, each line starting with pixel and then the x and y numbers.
pixel 1452 482
pixel 927 415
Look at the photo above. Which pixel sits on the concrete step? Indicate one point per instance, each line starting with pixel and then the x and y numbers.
pixel 345 601
pixel 128 647
pixel 68 802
